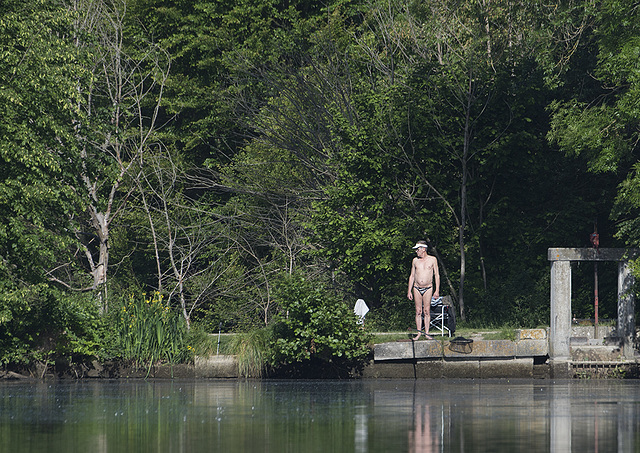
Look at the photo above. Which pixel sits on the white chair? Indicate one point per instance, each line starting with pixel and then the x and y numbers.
pixel 442 317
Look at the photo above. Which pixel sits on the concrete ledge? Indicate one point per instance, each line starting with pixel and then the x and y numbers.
pixel 393 351
pixel 430 369
pixel 589 331
pixel 479 349
pixel 589 353
pixel 439 368
pixel 481 359
pixel 532 348
pixel 389 370
pixel 560 369
pixel 428 349
pixel 592 254
pixel 461 369
pixel 451 369
pixel 216 366
pixel 482 349
pixel 578 341
pixel 402 350
pixel 521 368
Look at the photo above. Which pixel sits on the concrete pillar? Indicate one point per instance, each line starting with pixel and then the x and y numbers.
pixel 560 330
pixel 626 309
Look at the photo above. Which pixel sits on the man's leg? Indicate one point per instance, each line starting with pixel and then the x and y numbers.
pixel 427 316
pixel 417 298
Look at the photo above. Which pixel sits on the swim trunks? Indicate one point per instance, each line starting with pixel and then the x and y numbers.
pixel 422 290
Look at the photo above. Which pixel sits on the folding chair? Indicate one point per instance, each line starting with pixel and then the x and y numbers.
pixel 442 317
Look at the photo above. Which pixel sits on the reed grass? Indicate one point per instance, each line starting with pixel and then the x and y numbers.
pixel 149 331
pixel 251 351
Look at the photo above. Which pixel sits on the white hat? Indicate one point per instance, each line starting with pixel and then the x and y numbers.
pixel 419 244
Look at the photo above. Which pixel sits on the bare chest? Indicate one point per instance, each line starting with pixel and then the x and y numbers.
pixel 423 265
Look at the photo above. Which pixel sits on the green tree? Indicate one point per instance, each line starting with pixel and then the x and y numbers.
pixel 38 69
pixel 304 173
pixel 602 124
pixel 212 96
pixel 211 44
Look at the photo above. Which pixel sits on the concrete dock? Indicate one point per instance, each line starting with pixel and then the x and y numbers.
pixel 525 357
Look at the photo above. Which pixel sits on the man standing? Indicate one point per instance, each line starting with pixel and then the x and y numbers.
pixel 424 283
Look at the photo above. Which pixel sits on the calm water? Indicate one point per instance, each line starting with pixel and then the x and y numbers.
pixel 309 416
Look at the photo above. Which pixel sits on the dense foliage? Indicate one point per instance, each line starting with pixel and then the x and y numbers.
pixel 208 151
pixel 315 325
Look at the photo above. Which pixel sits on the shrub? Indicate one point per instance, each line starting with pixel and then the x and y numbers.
pixel 41 324
pixel 314 325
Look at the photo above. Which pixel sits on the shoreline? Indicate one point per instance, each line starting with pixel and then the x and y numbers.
pixel 525 357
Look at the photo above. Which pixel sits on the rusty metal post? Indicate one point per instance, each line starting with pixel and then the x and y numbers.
pixel 595 240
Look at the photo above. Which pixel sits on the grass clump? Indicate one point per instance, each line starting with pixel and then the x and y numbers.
pixel 251 350
pixel 147 331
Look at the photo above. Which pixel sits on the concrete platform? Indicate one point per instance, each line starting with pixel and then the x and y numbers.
pixel 482 359
pixel 479 349
pixel 526 357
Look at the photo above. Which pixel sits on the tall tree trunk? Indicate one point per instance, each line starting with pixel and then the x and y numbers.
pixel 464 162
pixel 461 233
pixel 99 270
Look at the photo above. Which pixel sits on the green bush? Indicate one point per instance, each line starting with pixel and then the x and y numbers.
pixel 314 325
pixel 41 324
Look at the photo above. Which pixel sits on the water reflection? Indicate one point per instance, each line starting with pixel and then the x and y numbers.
pixel 293 416
pixel 424 437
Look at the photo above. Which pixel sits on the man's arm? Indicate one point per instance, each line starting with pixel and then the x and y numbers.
pixel 411 279
pixel 436 279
